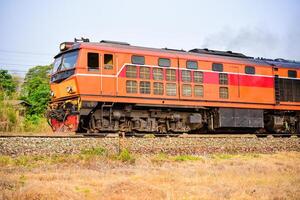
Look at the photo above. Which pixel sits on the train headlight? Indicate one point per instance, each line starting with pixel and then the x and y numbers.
pixel 69 89
pixel 63 46
pixel 52 94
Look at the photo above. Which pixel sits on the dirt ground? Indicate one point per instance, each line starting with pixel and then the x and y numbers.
pixel 217 176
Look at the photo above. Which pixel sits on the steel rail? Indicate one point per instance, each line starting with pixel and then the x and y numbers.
pixel 145 136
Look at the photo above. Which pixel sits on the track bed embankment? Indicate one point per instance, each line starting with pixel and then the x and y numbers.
pixel 17 146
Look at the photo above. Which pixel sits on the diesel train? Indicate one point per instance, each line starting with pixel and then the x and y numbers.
pixel 109 86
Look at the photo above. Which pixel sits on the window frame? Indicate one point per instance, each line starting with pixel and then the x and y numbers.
pixel 127 71
pixel 138 63
pixel 202 88
pixel 159 59
pixel 93 68
pixel 183 78
pixel 221 92
pixel 200 77
pixel 184 91
pixel 131 88
pixel 191 61
pixel 108 66
pixel 171 77
pixel 247 68
pixel 145 87
pixel 155 75
pixel 293 75
pixel 223 78
pixel 217 67
pixel 160 88
pixel 144 74
pixel 168 89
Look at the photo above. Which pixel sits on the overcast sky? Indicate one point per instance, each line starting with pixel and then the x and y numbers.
pixel 32 30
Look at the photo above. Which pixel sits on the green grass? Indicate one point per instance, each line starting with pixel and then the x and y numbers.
pixel 162 157
pixel 95 151
pixel 126 156
pixel 231 156
pixel 22 179
pixel 5 160
pixel 85 191
pixel 186 158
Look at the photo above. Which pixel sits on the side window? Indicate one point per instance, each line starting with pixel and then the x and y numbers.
pixel 191 64
pixel 223 93
pixel 249 70
pixel 186 76
pixel 198 77
pixel 157 73
pixel 164 62
pixel 223 79
pixel 145 87
pixel 186 90
pixel 145 72
pixel 108 61
pixel 158 88
pixel 171 89
pixel 198 91
pixel 93 61
pixel 131 86
pixel 217 67
pixel 131 71
pixel 171 75
pixel 139 60
pixel 292 74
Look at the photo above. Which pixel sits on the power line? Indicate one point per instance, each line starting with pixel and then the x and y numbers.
pixel 22 60
pixel 20 64
pixel 26 52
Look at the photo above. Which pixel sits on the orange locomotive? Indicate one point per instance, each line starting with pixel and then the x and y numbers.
pixel 115 87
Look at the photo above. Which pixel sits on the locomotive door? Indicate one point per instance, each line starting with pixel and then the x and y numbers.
pixel 108 71
pixel 234 80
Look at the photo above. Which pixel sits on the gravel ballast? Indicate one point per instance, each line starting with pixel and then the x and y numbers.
pixel 17 146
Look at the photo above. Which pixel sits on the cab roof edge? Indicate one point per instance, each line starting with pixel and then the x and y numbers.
pixel 114 42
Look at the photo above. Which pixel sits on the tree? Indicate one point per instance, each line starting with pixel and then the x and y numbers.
pixel 36 89
pixel 7 84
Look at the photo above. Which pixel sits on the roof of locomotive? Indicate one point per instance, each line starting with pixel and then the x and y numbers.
pixel 211 55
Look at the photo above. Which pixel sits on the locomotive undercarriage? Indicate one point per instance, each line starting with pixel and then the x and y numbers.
pixel 97 118
pixel 126 118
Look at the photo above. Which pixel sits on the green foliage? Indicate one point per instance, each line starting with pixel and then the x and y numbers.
pixel 23 161
pixel 186 158
pixel 162 157
pixel 5 160
pixel 34 123
pixel 36 89
pixel 9 118
pixel 125 156
pixel 95 151
pixel 223 156
pixel 7 84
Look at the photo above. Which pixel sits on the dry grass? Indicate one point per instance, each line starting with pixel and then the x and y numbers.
pixel 219 176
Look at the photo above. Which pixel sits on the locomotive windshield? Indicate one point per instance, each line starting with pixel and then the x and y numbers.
pixel 64 66
pixel 65 62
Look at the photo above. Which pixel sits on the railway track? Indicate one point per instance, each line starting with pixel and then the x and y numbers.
pixel 139 135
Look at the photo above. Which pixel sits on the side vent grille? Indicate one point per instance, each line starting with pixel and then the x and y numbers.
pixel 277 89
